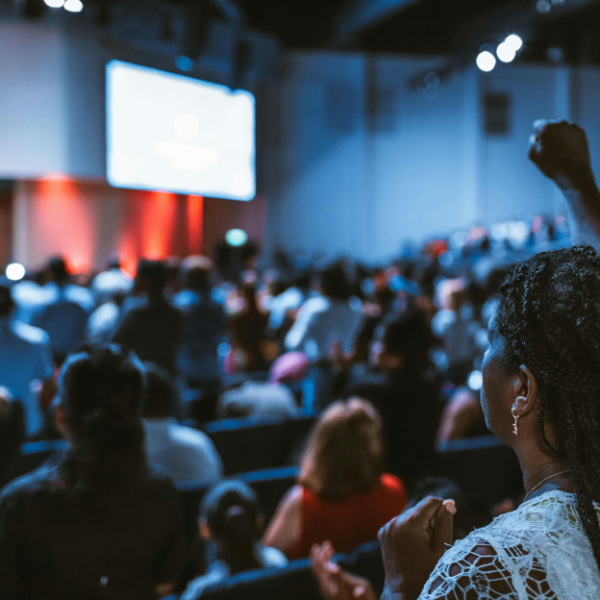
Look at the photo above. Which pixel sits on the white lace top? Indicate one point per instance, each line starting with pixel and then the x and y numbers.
pixel 538 552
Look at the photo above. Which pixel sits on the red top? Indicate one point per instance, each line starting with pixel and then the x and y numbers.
pixel 351 522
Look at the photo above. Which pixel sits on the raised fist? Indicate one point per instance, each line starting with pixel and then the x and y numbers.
pixel 560 151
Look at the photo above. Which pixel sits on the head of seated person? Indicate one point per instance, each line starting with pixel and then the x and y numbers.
pixel 161 393
pixel 196 273
pixel 57 271
pixel 405 345
pixel 231 518
pixel 152 277
pixel 335 284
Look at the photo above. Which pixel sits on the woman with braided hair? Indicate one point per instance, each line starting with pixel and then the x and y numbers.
pixel 541 395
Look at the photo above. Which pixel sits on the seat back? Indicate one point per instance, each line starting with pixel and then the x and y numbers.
pixel 485 468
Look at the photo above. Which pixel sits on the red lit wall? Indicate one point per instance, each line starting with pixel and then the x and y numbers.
pixel 86 221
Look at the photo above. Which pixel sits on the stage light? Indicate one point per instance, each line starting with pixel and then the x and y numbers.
pixel 236 237
pixel 15 272
pixel 475 381
pixel 514 41
pixel 54 3
pixel 486 61
pixel 74 6
pixel 505 53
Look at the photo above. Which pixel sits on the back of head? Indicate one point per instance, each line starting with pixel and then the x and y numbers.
pixel 410 337
pixel 7 304
pixel 344 453
pixel 57 269
pixel 196 272
pixel 101 392
pixel 232 512
pixel 160 393
pixel 152 276
pixel 334 283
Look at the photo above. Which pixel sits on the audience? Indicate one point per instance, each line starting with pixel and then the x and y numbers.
pixel 92 523
pixel 342 495
pixel 257 399
pixel 232 520
pixel 64 311
pixel 182 453
pixel 152 327
pixel 206 324
pixel 462 417
pixel 26 365
pixel 112 281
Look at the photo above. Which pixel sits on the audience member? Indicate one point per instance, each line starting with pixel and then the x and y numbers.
pixel 92 523
pixel 257 399
pixel 65 310
pixel 112 281
pixel 248 335
pixel 342 494
pixel 103 322
pixel 462 417
pixel 324 321
pixel 408 397
pixel 181 452
pixel 25 363
pixel 206 323
pixel 231 518
pixel 289 301
pixel 153 328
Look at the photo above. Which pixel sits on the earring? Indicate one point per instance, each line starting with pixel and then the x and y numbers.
pixel 515 428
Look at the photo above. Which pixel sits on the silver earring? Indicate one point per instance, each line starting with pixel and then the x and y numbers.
pixel 515 428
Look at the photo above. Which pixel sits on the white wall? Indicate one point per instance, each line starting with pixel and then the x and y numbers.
pixel 431 170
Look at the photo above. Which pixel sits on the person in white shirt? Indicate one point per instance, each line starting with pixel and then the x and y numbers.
pixel 112 281
pixel 182 453
pixel 323 322
pixel 25 362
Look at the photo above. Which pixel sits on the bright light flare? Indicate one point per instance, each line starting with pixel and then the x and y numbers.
pixel 475 381
pixel 236 237
pixel 74 6
pixel 505 53
pixel 54 3
pixel 486 61
pixel 15 272
pixel 514 41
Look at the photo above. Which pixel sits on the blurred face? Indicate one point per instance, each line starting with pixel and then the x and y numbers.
pixel 499 384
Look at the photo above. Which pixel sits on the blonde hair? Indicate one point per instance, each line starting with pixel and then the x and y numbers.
pixel 344 453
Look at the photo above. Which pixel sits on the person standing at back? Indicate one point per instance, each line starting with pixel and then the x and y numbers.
pixel 65 311
pixel 322 322
pixel 205 324
pixel 153 328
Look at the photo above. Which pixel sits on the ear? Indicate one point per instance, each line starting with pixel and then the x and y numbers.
pixel 526 392
pixel 61 422
pixel 204 529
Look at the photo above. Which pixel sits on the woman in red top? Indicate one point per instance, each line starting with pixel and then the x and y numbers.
pixel 342 494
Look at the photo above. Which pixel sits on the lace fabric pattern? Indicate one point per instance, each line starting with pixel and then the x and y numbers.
pixel 538 552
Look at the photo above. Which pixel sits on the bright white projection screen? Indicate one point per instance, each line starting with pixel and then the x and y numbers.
pixel 173 133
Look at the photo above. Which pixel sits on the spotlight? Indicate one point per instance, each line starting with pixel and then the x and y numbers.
pixel 505 53
pixel 236 237
pixel 15 272
pixel 486 61
pixel 54 3
pixel 74 6
pixel 514 41
pixel 475 381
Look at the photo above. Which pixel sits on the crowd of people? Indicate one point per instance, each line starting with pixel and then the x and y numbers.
pixel 391 360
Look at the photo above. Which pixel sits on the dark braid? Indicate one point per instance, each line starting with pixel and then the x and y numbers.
pixel 549 316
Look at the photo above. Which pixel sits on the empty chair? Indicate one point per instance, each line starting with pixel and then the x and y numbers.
pixel 485 468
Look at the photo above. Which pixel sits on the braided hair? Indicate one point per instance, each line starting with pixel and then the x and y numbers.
pixel 549 317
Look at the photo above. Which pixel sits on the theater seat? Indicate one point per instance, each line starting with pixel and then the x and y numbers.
pixel 485 468
pixel 252 443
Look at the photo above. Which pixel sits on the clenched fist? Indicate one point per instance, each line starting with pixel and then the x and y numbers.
pixel 560 151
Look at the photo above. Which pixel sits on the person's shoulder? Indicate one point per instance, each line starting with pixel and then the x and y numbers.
pixel 33 336
pixel 196 587
pixel 29 485
pixel 316 304
pixel 189 436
